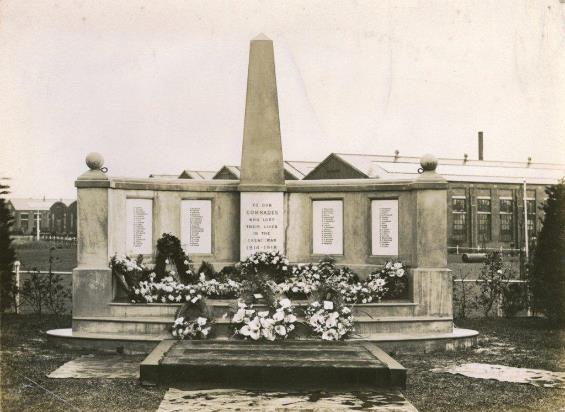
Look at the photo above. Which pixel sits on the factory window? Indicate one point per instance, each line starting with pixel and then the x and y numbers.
pixel 24 221
pixel 459 209
pixel 484 219
pixel 506 219
pixel 531 205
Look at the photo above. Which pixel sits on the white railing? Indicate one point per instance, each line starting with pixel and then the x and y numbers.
pixel 18 272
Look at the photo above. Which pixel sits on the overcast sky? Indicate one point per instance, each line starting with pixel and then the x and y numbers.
pixel 159 86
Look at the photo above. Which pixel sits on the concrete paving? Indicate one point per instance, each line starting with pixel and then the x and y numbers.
pixel 99 367
pixel 245 400
pixel 501 373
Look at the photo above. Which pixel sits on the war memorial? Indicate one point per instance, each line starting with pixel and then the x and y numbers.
pixel 360 224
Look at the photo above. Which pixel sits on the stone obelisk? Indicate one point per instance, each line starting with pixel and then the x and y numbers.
pixel 262 174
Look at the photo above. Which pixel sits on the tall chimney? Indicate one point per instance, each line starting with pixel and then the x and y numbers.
pixel 481 146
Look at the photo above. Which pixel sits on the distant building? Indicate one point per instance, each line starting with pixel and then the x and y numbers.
pixel 52 214
pixel 485 198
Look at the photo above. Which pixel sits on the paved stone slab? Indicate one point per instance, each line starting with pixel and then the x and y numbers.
pixel 537 377
pixel 99 367
pixel 240 364
pixel 246 400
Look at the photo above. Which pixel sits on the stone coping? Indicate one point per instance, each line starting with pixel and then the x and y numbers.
pixel 326 185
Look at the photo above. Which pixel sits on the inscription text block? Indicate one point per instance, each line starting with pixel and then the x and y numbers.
pixel 327 227
pixel 139 221
pixel 196 226
pixel 384 224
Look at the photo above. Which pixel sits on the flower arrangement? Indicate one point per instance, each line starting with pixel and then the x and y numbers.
pixel 395 280
pixel 168 290
pixel 198 328
pixel 273 263
pixel 274 324
pixel 170 252
pixel 328 320
pixel 128 271
pixel 304 280
pixel 213 288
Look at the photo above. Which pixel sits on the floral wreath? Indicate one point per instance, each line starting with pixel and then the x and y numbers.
pixel 274 324
pixel 170 251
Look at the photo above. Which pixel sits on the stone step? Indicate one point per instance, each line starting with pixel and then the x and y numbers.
pixel 218 307
pixel 395 324
pixel 157 325
pixel 282 363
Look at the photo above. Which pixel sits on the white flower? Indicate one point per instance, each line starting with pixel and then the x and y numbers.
pixel 186 262
pixel 239 315
pixel 245 331
pixel 255 334
pixel 205 331
pixel 179 321
pixel 285 303
pixel 202 277
pixel 280 329
pixel 263 314
pixel 201 321
pixel 278 316
pixel 255 324
pixel 346 310
pixel 290 328
pixel 290 318
pixel 328 305
pixel 269 334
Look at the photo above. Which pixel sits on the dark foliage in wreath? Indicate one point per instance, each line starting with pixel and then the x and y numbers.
pixel 230 272
pixel 258 284
pixel 328 271
pixel 207 269
pixel 331 292
pixel 169 249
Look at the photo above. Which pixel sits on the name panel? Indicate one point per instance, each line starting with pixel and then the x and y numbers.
pixel 384 233
pixel 139 221
pixel 196 226
pixel 261 220
pixel 327 227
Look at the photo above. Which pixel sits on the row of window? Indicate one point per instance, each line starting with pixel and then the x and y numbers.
pixel 484 218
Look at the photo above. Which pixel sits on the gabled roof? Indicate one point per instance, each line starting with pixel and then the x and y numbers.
pixel 197 174
pixel 228 172
pixel 294 170
pixel 37 204
pixel 453 170
pixel 299 168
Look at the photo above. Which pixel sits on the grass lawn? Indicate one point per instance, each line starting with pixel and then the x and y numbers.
pixel 519 342
pixel 25 353
pixel 65 258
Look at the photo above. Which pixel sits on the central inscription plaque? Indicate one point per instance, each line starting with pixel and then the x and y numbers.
pixel 261 217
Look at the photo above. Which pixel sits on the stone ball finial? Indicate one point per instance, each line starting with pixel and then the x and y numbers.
pixel 94 161
pixel 428 162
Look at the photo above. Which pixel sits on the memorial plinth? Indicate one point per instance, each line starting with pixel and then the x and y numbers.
pixel 360 223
